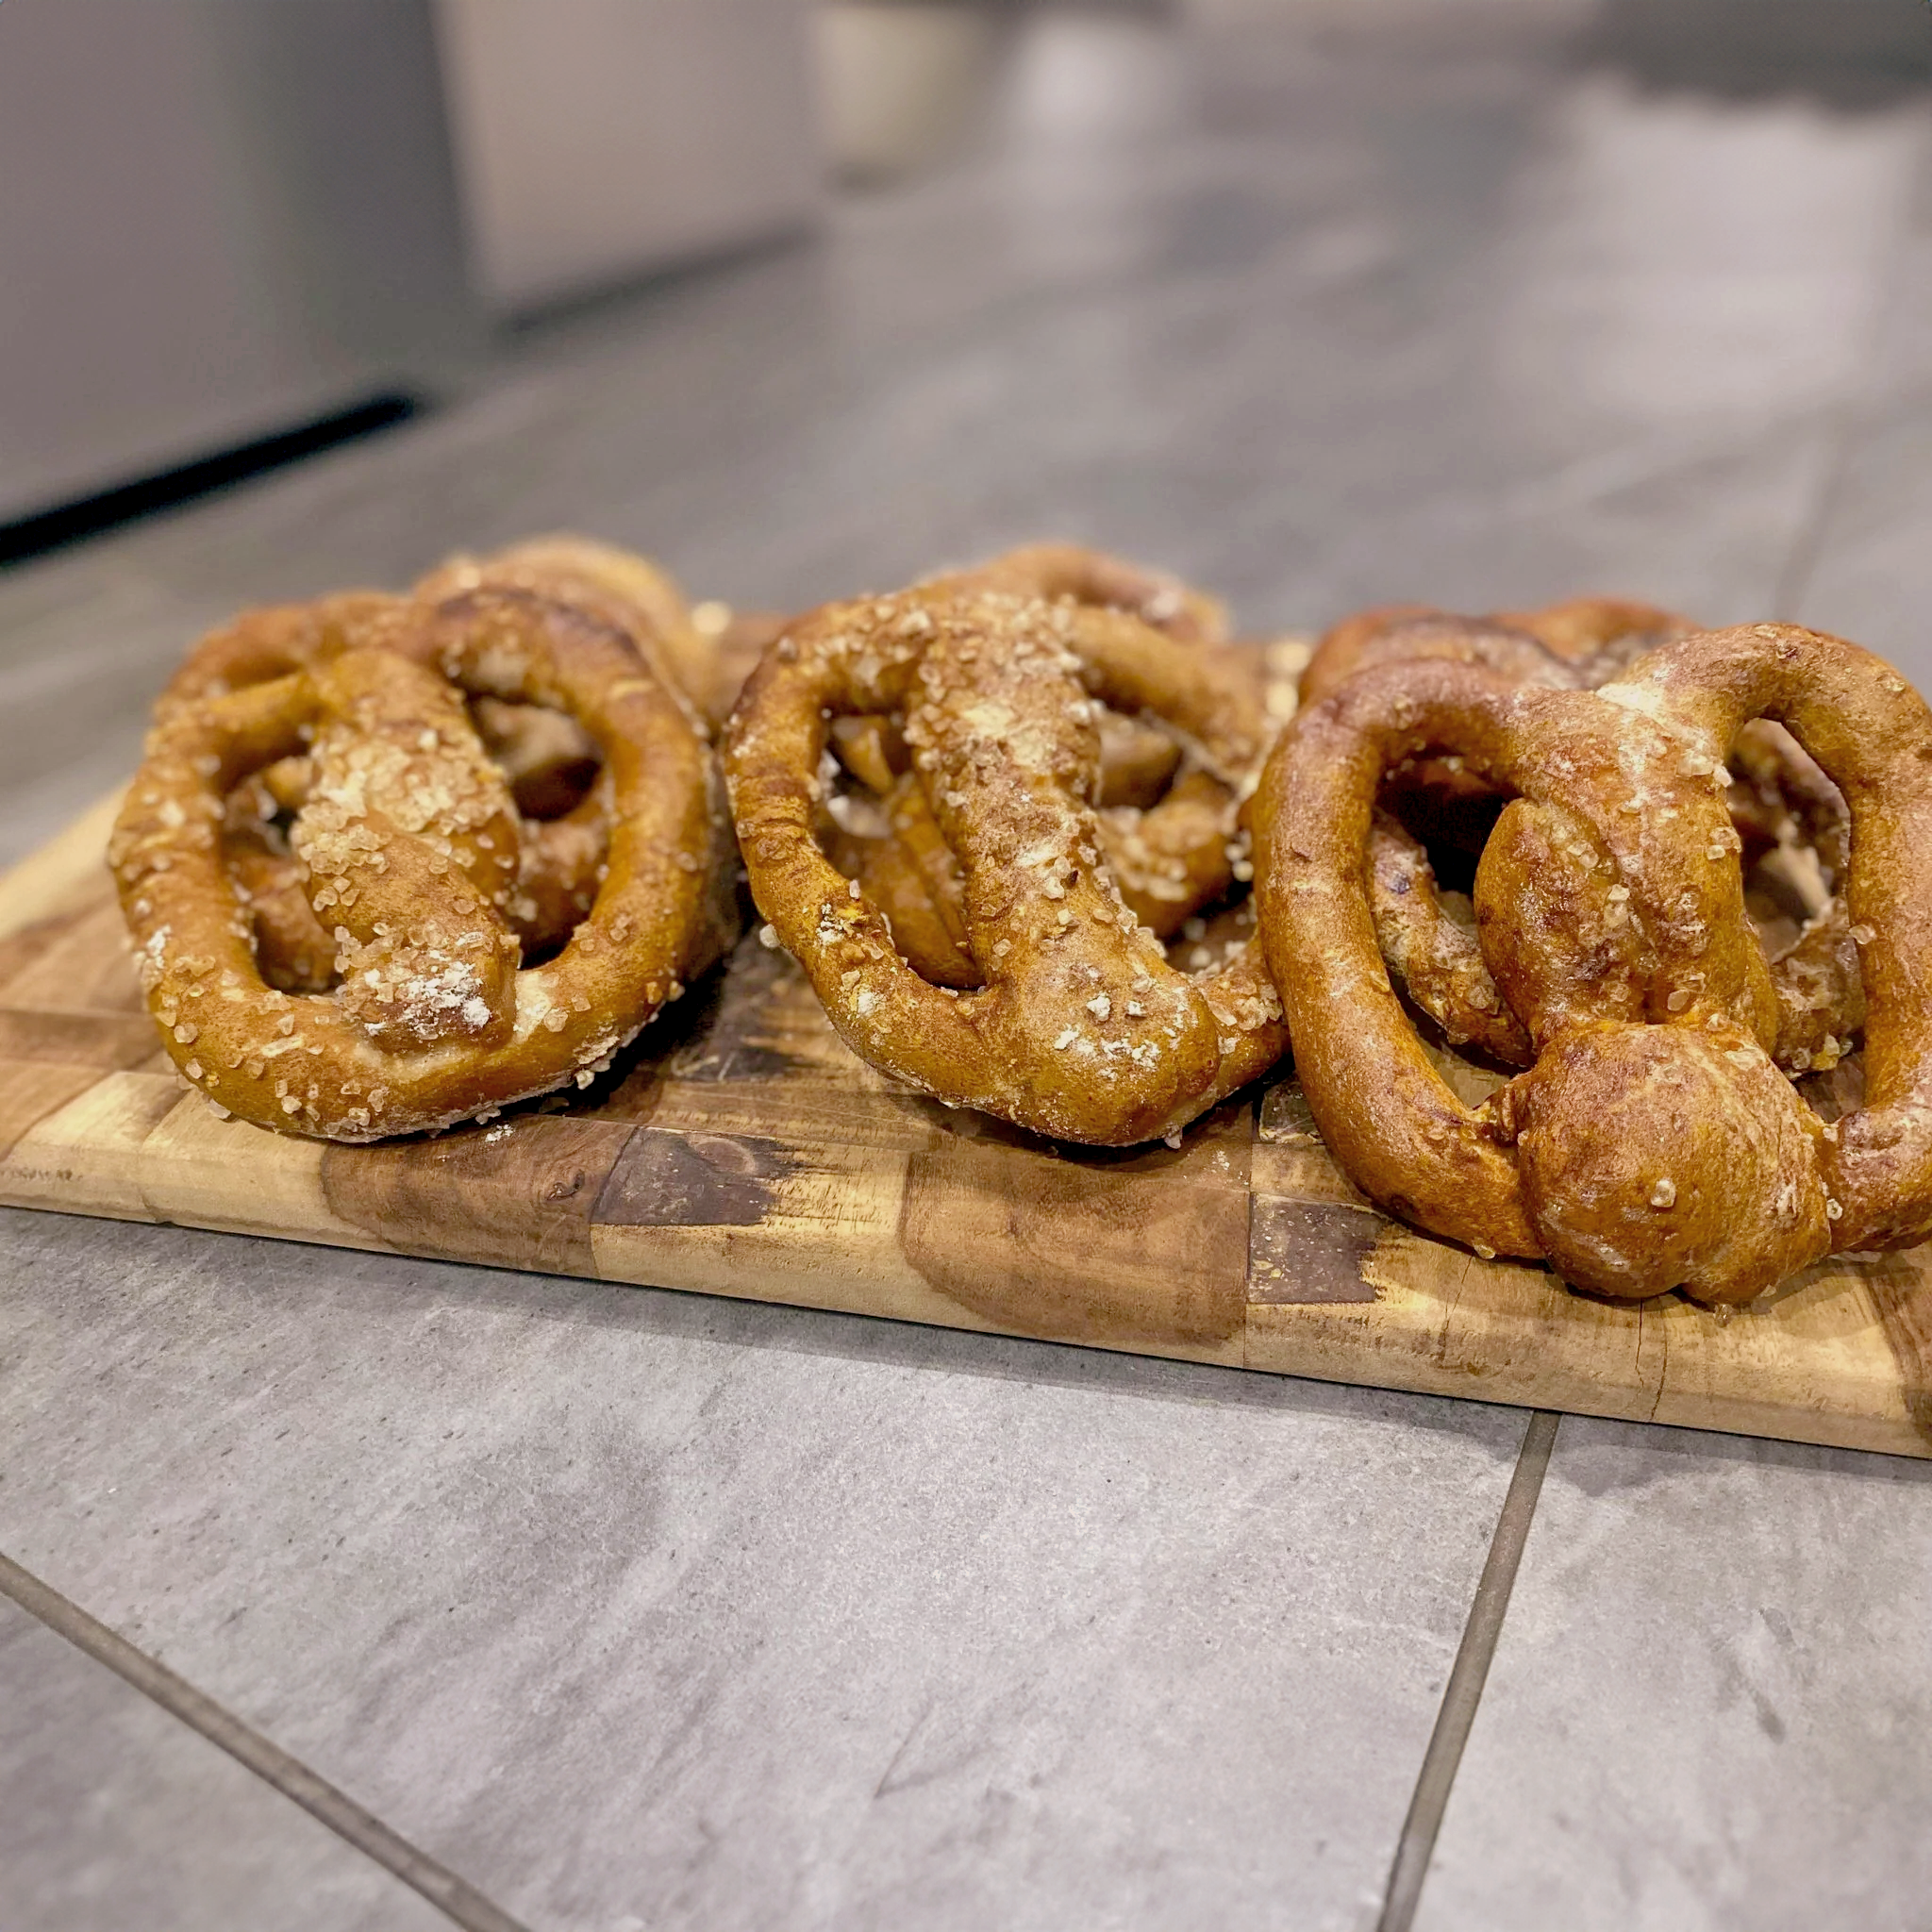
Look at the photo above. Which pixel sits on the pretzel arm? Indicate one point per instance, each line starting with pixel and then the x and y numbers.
pixel 560 863
pixel 660 904
pixel 922 933
pixel 1138 762
pixel 1872 734
pixel 1394 1123
pixel 1559 929
pixel 872 749
pixel 1437 961
pixel 1171 858
pixel 1821 994
pixel 409 837
pixel 916 880
pixel 294 951
pixel 1210 697
pixel 823 919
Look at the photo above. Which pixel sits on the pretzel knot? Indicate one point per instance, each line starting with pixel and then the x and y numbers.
pixel 359 974
pixel 1652 1143
pixel 1789 816
pixel 1068 1017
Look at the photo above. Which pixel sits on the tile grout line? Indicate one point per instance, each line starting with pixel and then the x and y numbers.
pixel 1467 1677
pixel 450 1895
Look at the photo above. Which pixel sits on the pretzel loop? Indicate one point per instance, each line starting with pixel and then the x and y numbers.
pixel 1079 1028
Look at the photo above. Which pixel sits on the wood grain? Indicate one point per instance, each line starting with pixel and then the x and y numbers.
pixel 740 1150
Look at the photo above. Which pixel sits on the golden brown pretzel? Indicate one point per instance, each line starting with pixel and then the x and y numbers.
pixel 1081 1029
pixel 1653 1143
pixel 1790 815
pixel 413 849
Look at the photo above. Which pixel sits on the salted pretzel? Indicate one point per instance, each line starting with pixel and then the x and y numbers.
pixel 1790 815
pixel 1066 1016
pixel 357 971
pixel 1169 865
pixel 1652 1143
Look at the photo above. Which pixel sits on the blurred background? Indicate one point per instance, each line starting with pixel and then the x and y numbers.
pixel 1323 301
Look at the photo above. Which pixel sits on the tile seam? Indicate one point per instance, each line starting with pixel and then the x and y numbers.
pixel 454 1897
pixel 1467 1677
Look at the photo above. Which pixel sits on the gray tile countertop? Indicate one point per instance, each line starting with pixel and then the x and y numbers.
pixel 638 1609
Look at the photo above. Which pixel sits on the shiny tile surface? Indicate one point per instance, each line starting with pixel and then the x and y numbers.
pixel 622 1602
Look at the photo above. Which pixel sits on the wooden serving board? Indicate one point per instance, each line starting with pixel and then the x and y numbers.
pixel 740 1149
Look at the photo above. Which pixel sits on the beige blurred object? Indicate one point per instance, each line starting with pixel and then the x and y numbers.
pixel 598 138
pixel 903 82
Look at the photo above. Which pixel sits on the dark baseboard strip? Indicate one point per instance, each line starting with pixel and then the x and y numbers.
pixel 69 522
pixel 1467 1678
pixel 449 1894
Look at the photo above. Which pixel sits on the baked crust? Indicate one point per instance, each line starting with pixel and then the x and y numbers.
pixel 361 972
pixel 1652 1143
pixel 990 953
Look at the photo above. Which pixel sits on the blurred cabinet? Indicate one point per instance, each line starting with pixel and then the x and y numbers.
pixel 217 217
pixel 598 137
pixel 220 218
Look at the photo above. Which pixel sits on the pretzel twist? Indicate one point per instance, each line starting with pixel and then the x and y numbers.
pixel 1785 808
pixel 401 1004
pixel 1168 864
pixel 1078 1028
pixel 1652 1143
